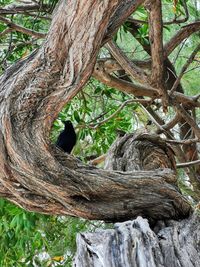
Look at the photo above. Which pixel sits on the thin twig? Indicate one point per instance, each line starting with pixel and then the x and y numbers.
pixel 127 102
pixel 184 68
pixel 188 164
pixel 9 50
pixel 177 55
pixel 197 67
pixel 6 31
pixel 22 29
pixel 183 142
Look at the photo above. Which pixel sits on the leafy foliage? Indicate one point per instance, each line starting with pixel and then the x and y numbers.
pixel 28 238
pixel 87 111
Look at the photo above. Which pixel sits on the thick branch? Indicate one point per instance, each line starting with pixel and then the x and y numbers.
pixel 101 72
pixel 155 38
pixel 124 86
pixel 156 44
pixel 124 10
pixel 184 33
pixel 42 178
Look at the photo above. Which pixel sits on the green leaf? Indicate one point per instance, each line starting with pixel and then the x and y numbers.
pixel 76 116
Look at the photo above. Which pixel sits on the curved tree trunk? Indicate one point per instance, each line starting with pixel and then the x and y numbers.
pixel 134 243
pixel 39 177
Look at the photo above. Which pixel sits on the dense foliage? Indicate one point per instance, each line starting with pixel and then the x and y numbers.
pixel 98 113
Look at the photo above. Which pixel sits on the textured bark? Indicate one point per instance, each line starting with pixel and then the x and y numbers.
pixel 134 243
pixel 188 152
pixel 140 151
pixel 39 177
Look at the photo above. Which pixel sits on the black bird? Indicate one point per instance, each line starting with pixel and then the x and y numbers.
pixel 67 138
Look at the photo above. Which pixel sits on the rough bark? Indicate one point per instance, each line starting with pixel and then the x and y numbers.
pixel 185 153
pixel 39 177
pixel 140 151
pixel 134 243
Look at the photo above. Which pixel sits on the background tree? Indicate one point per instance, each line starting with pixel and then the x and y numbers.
pixel 34 173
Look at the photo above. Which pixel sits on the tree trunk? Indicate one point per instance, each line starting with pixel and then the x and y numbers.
pixel 34 173
pixel 134 243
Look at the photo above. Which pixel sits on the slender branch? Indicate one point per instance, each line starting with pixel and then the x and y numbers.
pixel 153 119
pixel 175 120
pixel 127 102
pixel 6 31
pixel 111 65
pixel 187 164
pixel 13 9
pixel 188 101
pixel 184 68
pixel 184 33
pixel 98 160
pixel 35 15
pixel 97 118
pixel 22 29
pixel 155 38
pixel 183 113
pixel 134 71
pixel 183 142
